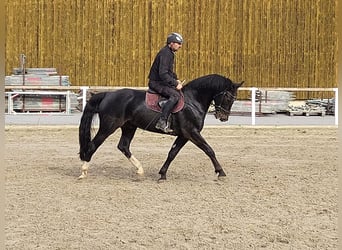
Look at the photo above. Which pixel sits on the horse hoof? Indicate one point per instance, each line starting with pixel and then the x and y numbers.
pixel 82 176
pixel 161 180
pixel 140 172
pixel 221 178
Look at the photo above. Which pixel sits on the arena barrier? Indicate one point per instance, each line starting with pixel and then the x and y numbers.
pixel 65 91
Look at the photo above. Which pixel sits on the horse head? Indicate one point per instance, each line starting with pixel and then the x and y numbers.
pixel 224 101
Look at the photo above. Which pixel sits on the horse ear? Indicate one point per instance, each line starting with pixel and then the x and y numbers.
pixel 238 85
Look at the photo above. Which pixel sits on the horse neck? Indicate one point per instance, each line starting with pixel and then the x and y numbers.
pixel 203 96
pixel 205 88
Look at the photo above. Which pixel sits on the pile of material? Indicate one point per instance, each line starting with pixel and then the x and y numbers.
pixel 36 77
pixel 267 102
pixel 312 107
pixel 328 104
pixel 42 103
pixel 37 101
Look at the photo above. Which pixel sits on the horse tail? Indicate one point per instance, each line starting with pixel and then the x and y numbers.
pixel 84 132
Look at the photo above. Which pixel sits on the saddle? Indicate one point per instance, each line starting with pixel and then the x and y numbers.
pixel 155 101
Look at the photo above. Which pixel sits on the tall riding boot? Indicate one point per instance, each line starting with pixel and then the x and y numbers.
pixel 162 124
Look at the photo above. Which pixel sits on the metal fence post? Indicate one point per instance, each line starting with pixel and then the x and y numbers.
pixel 336 106
pixel 67 103
pixel 253 104
pixel 84 96
pixel 9 103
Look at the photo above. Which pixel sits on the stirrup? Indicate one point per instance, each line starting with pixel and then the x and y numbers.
pixel 163 125
pixel 167 130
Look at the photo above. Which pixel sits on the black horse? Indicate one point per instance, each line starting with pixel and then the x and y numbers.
pixel 126 109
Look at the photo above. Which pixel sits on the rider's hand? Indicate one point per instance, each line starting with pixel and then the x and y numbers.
pixel 179 85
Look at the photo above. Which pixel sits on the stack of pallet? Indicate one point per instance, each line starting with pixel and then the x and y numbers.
pixel 38 102
pixel 37 77
pixel 267 102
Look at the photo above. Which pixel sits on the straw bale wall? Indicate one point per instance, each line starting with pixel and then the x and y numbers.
pixel 283 43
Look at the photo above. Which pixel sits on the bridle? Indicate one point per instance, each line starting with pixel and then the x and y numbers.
pixel 231 98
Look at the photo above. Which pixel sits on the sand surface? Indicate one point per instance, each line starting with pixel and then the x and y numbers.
pixel 280 191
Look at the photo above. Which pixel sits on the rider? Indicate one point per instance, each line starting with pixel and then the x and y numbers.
pixel 163 80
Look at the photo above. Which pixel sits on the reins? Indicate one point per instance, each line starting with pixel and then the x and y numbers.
pixel 231 98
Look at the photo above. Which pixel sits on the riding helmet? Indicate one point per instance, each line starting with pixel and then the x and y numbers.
pixel 174 38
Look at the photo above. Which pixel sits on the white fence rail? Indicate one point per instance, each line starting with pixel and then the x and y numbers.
pixel 65 91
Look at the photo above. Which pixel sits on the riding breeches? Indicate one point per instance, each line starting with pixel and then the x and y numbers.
pixel 173 95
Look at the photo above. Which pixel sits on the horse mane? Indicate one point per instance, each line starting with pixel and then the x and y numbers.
pixel 211 81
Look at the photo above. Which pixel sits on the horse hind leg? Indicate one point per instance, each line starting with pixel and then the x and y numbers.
pixel 101 135
pixel 176 147
pixel 124 144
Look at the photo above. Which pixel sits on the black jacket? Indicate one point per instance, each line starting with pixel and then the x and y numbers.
pixel 162 67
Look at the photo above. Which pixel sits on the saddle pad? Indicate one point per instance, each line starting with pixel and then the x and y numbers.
pixel 152 100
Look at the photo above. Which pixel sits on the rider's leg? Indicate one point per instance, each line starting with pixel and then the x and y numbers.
pixel 166 111
pixel 174 97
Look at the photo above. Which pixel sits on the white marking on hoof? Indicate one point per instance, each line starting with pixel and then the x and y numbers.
pixel 84 173
pixel 137 164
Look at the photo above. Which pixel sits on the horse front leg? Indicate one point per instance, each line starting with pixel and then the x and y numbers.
pixel 200 142
pixel 176 147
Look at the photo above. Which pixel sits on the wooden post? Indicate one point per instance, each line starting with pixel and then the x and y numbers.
pixel 22 59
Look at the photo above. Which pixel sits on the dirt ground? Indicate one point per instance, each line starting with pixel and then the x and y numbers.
pixel 280 191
